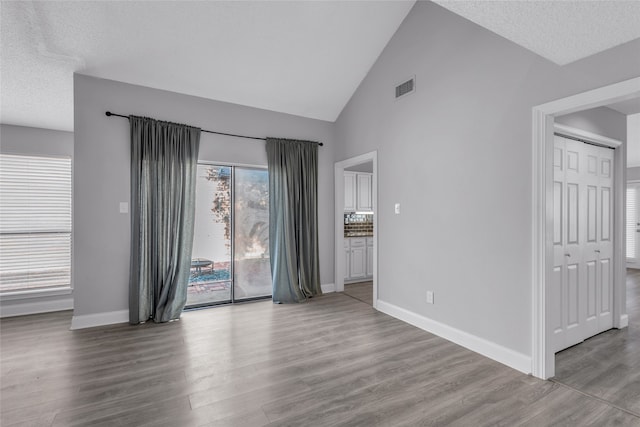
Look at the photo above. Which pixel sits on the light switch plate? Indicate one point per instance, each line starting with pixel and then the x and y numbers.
pixel 124 207
pixel 397 208
pixel 429 297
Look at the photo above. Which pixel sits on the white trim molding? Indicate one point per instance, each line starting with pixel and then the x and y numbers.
pixel 99 319
pixel 624 321
pixel 33 305
pixel 586 136
pixel 542 357
pixel 513 359
pixel 327 288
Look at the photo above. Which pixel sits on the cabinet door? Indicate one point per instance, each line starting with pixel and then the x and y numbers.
pixel 347 263
pixel 369 261
pixel 358 262
pixel 365 194
pixel 350 191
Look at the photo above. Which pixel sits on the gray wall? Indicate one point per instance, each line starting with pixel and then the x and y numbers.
pixel 35 141
pixel 101 176
pixel 633 174
pixel 602 121
pixel 457 155
pixel 364 167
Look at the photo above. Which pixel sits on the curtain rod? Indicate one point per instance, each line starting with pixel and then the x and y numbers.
pixel 109 114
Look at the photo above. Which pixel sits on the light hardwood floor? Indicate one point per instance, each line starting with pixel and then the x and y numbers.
pixel 607 366
pixel 332 361
pixel 362 291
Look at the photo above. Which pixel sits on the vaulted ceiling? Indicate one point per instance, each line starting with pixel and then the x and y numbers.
pixel 298 57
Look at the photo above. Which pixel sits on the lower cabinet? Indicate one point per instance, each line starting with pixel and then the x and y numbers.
pixel 369 257
pixel 358 258
pixel 347 259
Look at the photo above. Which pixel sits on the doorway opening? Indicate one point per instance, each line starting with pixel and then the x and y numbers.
pixel 543 355
pixel 230 256
pixel 356 226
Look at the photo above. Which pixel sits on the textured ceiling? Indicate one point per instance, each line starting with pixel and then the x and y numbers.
pixel 299 57
pixel 562 31
pixel 302 58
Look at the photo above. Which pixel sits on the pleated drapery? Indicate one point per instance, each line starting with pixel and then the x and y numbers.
pixel 293 219
pixel 164 158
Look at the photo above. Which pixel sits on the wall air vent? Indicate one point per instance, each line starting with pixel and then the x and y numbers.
pixel 406 87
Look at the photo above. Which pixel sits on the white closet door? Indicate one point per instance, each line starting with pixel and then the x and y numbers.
pixel 581 291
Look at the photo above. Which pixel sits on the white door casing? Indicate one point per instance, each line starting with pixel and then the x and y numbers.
pixel 582 285
pixel 633 224
pixel 340 259
pixel 542 354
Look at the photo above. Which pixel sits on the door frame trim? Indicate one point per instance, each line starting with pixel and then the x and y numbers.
pixel 543 357
pixel 632 265
pixel 339 168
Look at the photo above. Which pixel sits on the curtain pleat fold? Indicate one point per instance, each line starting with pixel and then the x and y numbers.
pixel 293 217
pixel 164 158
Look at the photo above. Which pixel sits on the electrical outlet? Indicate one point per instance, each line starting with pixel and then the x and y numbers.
pixel 429 297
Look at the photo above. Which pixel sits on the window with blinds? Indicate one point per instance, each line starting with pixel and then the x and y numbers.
pixel 35 222
pixel 632 219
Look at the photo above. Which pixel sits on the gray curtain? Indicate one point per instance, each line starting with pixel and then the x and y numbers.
pixel 293 219
pixel 164 159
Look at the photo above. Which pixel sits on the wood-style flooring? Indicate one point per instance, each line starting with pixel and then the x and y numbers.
pixel 607 366
pixel 333 361
pixel 362 291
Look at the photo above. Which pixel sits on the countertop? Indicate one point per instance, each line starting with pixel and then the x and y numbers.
pixel 358 234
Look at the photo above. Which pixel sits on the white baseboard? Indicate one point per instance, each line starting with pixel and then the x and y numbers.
pixel 506 356
pixel 33 306
pixel 99 319
pixel 624 321
pixel 328 288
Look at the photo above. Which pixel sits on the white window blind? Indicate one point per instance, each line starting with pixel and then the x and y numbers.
pixel 35 222
pixel 632 218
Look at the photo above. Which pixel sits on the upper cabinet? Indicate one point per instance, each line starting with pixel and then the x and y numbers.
pixel 358 191
pixel 365 194
pixel 350 191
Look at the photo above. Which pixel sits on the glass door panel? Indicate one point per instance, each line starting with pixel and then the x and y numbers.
pixel 210 276
pixel 251 270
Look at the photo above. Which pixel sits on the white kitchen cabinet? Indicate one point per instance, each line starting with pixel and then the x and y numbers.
pixel 358 262
pixel 369 257
pixel 365 193
pixel 350 191
pixel 347 259
pixel 355 258
pixel 358 191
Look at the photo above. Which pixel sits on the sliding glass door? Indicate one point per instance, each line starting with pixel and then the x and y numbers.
pixel 230 259
pixel 252 269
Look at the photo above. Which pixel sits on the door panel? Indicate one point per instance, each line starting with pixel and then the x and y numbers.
pixel 591 289
pixel 592 195
pixel 572 213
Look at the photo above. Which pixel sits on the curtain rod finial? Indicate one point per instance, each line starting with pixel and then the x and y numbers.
pixel 108 113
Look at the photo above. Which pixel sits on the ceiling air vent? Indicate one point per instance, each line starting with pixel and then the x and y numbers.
pixel 406 87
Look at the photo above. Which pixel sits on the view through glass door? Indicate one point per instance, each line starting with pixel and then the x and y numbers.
pixel 230 258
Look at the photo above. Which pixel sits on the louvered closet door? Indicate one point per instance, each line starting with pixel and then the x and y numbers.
pixel 581 291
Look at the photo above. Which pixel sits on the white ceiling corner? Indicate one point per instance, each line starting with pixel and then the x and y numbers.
pixel 562 31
